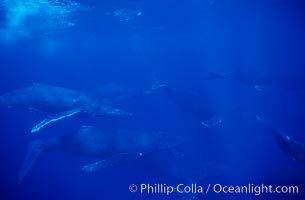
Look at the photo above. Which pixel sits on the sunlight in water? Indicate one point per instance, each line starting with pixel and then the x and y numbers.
pixel 24 17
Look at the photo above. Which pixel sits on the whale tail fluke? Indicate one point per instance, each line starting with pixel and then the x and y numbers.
pixel 33 152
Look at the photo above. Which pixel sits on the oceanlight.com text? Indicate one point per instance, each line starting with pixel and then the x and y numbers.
pixel 160 188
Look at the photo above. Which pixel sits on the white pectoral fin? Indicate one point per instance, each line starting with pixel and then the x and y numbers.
pixel 113 161
pixel 54 118
pixel 259 118
pixel 214 121
pixel 259 88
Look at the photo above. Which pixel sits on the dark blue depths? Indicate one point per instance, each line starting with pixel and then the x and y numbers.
pixel 197 70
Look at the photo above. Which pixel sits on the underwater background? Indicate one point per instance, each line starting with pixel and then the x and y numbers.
pixel 240 58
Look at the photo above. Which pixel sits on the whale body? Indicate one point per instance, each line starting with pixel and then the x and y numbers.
pixel 60 102
pixel 260 80
pixel 110 148
pixel 190 103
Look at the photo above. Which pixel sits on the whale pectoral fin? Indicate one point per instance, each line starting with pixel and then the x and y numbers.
pixel 259 87
pixel 113 161
pixel 213 121
pixel 55 118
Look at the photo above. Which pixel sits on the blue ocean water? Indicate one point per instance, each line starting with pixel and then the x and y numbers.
pixel 201 70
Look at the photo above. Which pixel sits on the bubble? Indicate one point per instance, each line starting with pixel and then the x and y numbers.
pixel 124 14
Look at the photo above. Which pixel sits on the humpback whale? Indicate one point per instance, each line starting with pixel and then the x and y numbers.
pixel 293 148
pixel 60 102
pixel 190 103
pixel 111 148
pixel 259 80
